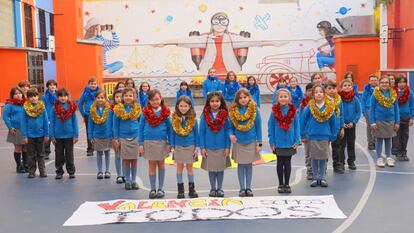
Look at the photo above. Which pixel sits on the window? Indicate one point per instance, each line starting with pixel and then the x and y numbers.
pixel 35 70
pixel 43 38
pixel 52 29
pixel 7 37
pixel 28 22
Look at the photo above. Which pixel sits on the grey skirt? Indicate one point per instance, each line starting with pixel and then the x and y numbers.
pixel 129 148
pixel 215 161
pixel 385 129
pixel 102 144
pixel 319 149
pixel 184 154
pixel 285 151
pixel 16 139
pixel 306 148
pixel 156 150
pixel 245 153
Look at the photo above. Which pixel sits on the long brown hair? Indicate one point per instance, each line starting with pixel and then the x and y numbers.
pixel 191 112
pixel 152 93
pixel 218 95
pixel 241 91
pixel 14 90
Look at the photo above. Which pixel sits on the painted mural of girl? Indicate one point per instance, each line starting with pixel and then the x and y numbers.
pixel 326 56
pixel 94 30
pixel 219 48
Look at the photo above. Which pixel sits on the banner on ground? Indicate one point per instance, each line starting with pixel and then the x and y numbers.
pixel 275 207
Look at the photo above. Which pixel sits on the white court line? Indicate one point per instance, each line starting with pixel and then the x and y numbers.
pixel 365 196
pixel 387 172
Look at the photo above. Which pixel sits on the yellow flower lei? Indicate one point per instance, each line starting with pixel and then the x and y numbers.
pixel 34 111
pixel 337 101
pixel 384 101
pixel 177 127
pixel 99 119
pixel 119 111
pixel 250 114
pixel 325 114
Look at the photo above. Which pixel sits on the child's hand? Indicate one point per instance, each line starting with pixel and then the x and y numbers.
pixel 204 153
pixel 46 139
pixel 13 131
pixel 233 139
pixel 304 140
pixel 258 148
pixel 411 122
pixel 53 141
pixel 396 127
pixel 294 146
pixel 141 149
pixel 226 152
pixel 75 140
pixel 115 143
pixel 195 153
pixel 93 141
pixel 26 141
pixel 273 148
pixel 342 133
pixel 374 127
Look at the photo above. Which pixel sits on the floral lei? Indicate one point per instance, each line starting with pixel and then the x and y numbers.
pixel 236 117
pixel 16 102
pixel 284 121
pixel 322 116
pixel 177 125
pixel 304 102
pixel 95 116
pixel 337 102
pixel 403 99
pixel 218 123
pixel 135 113
pixel 152 118
pixel 384 101
pixel 64 114
pixel 347 96
pixel 34 110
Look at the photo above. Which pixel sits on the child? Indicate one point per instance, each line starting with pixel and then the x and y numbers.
pixel 215 141
pixel 384 119
pixel 231 86
pixel 85 102
pixel 185 143
pixel 246 136
pixel 129 82
pixel 12 117
pixel 117 99
pixel 316 78
pixel 35 131
pixel 100 131
pixel 365 105
pixel 392 79
pixel 352 114
pixel 64 133
pixel 406 107
pixel 284 136
pixel 281 83
pixel 120 86
pixel 333 95
pixel 126 133
pixel 212 83
pixel 320 127
pixel 155 139
pixel 303 104
pixel 144 88
pixel 350 76
pixel 184 91
pixel 24 86
pixel 296 92
pixel 49 99
pixel 254 90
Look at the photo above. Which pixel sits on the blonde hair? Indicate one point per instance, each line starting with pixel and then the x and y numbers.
pixel 284 90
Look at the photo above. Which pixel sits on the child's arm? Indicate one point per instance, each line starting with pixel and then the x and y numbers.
pixel 341 115
pixel 363 103
pixel 170 136
pixel 24 125
pixel 205 89
pixel 196 134
pixel 304 121
pixel 296 128
pixel 81 104
pixel 110 123
pixel 75 125
pixel 227 143
pixel 357 115
pixel 258 126
pixel 411 105
pixel 274 97
pixel 45 124
pixel 52 124
pixel 373 105
pixel 258 96
pixel 141 129
pixel 202 134
pixel 271 130
pixel 333 122
pixel 397 112
pixel 90 127
pixel 6 115
pixel 115 127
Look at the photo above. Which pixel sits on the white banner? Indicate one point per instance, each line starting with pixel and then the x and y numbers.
pixel 275 207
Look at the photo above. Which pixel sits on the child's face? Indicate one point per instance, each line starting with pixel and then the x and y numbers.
pixel 26 88
pixel 293 82
pixel 232 77
pixel 100 99
pixel 183 107
pixel 215 103
pixel 244 99
pixel 52 88
pixel 283 98
pixel 128 97
pixel 282 83
pixel 92 85
pixel 392 80
pixel 347 87
pixel 251 82
pixel 331 91
pixel 118 98
pixel 402 83
pixel 318 94
pixel 322 32
pixel 183 87
pixel 309 93
pixel 18 95
pixel 121 86
pixel 155 101
pixel 34 99
pixel 384 84
pixel 373 81
pixel 63 99
pixel 212 72
pixel 145 87
pixel 130 84
pixel 317 79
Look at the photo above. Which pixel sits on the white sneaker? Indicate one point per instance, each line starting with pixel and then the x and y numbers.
pixel 380 162
pixel 390 162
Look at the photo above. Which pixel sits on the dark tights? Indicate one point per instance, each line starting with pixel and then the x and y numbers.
pixel 284 168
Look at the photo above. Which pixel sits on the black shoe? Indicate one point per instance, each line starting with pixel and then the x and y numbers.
pixel 31 176
pixel 134 186
pixel 242 193
pixel 309 176
pixel 72 176
pixel 152 194
pixel 43 174
pixel 99 176
pixel 280 189
pixel 191 190
pixel 371 147
pixel 160 193
pixel 288 189
pixel 351 165
pixel 180 187
pixel 107 175
pixel 119 180
pixel 128 186
pixel 20 169
pixel 89 153
pixel 338 170
pixel 405 158
pixel 249 193
pixel 220 193
pixel 323 183
pixel 213 193
pixel 314 183
pixel 59 176
pixel 46 157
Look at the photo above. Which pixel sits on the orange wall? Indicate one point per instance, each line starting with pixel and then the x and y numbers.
pixel 401 51
pixel 75 62
pixel 13 66
pixel 360 55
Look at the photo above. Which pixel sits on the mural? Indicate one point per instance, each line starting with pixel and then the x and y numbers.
pixel 165 42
